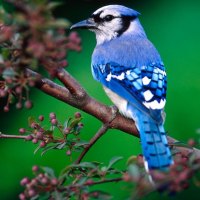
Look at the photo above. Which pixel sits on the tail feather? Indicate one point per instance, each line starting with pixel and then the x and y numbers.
pixel 154 143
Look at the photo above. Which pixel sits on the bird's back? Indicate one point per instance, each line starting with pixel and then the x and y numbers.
pixel 127 51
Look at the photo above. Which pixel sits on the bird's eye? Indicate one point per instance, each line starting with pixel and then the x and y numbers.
pixel 108 18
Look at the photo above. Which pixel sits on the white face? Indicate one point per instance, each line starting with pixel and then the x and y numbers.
pixel 115 20
pixel 110 24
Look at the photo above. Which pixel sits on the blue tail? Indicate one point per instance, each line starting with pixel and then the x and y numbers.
pixel 153 139
pixel 154 143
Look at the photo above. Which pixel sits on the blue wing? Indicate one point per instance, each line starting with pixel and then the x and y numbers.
pixel 145 87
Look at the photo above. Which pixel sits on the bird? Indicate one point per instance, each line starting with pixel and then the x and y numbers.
pixel 133 76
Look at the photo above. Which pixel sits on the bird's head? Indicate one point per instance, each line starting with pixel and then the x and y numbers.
pixel 112 21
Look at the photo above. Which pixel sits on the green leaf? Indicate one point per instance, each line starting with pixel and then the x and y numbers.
pixel 48 148
pixel 5 53
pixel 53 5
pixel 97 163
pixel 134 171
pixel 113 171
pixel 181 144
pixel 34 64
pixel 81 144
pixel 84 165
pixel 82 180
pixel 49 171
pixel 61 145
pixel 75 122
pixel 132 160
pixel 87 165
pixel 67 122
pixel 113 161
pixel 58 195
pixel 7 7
pixel 35 197
pixel 104 169
pixel 36 150
pixel 174 151
pixel 31 119
pixel 11 98
pixel 59 23
pixel 8 73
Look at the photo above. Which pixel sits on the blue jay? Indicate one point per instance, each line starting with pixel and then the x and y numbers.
pixel 132 73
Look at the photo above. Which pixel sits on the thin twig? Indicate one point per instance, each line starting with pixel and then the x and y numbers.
pixel 107 181
pixel 13 136
pixel 100 133
pixel 95 183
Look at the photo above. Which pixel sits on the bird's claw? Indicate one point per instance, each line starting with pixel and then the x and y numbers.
pixel 114 110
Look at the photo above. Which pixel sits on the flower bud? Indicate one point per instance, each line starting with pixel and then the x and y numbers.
pixel 29 137
pixel 22 130
pixel 31 193
pixel 54 181
pixel 77 115
pixel 52 115
pixel 68 152
pixel 35 140
pixel 35 168
pixel 6 109
pixel 41 118
pixel 24 181
pixel 22 196
pixel 54 122
pixel 28 104
pixel 42 144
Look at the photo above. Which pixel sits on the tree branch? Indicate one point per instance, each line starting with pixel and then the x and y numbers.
pixel 100 133
pixel 71 84
pixel 74 95
pixel 83 101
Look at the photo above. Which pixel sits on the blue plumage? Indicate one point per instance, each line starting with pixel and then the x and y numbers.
pixel 135 59
pixel 153 140
pixel 129 67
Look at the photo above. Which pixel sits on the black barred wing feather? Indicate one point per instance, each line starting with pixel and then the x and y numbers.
pixel 147 84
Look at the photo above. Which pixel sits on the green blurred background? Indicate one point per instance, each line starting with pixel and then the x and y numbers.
pixel 174 28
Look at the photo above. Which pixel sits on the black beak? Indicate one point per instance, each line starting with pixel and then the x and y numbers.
pixel 85 24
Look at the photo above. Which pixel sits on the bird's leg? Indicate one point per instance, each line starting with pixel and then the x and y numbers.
pixel 114 110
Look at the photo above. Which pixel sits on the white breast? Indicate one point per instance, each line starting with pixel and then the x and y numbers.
pixel 120 102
